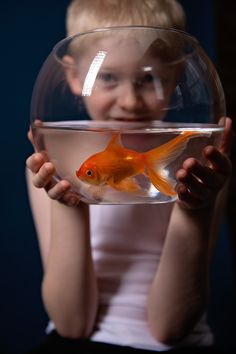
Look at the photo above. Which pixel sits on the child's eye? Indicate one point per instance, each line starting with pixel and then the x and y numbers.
pixel 107 78
pixel 148 78
pixel 145 80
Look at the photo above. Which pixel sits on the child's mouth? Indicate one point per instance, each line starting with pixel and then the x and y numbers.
pixel 131 119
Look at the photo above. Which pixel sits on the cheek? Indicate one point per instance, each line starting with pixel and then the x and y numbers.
pixel 155 106
pixel 98 105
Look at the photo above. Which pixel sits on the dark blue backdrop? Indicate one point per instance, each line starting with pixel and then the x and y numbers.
pixel 30 29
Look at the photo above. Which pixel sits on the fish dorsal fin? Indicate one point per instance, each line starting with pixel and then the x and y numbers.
pixel 115 143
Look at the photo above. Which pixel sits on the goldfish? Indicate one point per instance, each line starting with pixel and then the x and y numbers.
pixel 116 166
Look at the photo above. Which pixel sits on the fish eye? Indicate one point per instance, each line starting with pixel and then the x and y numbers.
pixel 89 173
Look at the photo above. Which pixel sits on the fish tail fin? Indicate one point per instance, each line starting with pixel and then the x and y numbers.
pixel 168 152
pixel 158 158
pixel 162 183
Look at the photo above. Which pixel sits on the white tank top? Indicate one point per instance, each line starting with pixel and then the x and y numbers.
pixel 127 242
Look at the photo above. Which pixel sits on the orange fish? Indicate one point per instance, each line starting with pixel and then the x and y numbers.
pixel 116 166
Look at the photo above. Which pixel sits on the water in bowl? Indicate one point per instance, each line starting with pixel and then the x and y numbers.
pixel 68 145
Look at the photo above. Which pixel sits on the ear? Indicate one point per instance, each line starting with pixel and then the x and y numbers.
pixel 72 75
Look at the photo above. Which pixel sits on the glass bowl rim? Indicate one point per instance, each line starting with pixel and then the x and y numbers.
pixel 59 44
pixel 154 126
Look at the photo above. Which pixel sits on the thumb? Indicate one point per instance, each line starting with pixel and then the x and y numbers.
pixel 227 139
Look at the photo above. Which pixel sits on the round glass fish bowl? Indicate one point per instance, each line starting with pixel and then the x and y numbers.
pixel 119 109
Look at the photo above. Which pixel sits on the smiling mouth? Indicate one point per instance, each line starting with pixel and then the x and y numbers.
pixel 131 119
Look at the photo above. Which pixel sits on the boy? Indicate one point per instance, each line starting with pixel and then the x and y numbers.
pixel 128 278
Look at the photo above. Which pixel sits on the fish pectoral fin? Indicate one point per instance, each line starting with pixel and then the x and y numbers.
pixel 162 183
pixel 125 185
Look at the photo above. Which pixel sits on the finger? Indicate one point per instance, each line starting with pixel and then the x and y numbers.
pixel 36 160
pixel 186 198
pixel 219 161
pixel 38 123
pixel 70 199
pixel 193 184
pixel 204 173
pixel 209 177
pixel 227 138
pixel 44 175
pixel 58 190
pixel 30 136
pixel 61 192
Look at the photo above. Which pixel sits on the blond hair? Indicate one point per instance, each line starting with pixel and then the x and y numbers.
pixel 84 15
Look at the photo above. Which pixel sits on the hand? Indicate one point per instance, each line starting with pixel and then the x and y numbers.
pixel 44 177
pixel 199 184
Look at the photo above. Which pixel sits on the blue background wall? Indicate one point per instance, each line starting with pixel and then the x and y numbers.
pixel 30 29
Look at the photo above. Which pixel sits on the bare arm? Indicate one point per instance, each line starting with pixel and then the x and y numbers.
pixel 179 291
pixel 69 284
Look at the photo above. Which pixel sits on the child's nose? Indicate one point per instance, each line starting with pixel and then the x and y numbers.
pixel 129 98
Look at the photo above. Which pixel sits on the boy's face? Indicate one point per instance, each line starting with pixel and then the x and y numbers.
pixel 121 81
